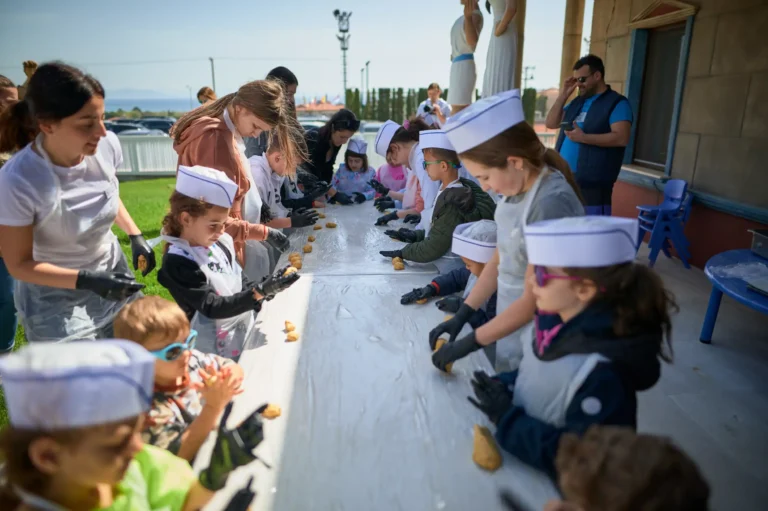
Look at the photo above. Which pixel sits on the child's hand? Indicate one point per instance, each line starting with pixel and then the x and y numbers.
pixel 218 388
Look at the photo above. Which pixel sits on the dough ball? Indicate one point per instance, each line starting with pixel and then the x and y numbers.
pixel 397 260
pixel 307 248
pixel 142 263
pixel 330 225
pixel 272 411
pixel 297 264
pixel 311 239
pixel 321 215
pixel 317 227
pixel 292 337
pixel 290 270
pixel 422 301
pixel 485 453
pixel 439 344
pixel 399 266
pixel 449 316
pixel 289 327
pixel 294 255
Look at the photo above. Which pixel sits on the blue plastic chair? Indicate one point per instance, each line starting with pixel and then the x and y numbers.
pixel 666 222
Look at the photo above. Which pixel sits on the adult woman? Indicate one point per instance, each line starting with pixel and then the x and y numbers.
pixel 501 63
pixel 212 136
pixel 58 200
pixel 464 36
pixel 498 147
pixel 324 145
pixel 206 95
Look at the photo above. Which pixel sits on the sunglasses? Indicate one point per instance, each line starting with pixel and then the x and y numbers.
pixel 582 79
pixel 425 164
pixel 542 277
pixel 175 350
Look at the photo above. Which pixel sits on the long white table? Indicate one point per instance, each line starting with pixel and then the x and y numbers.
pixel 368 423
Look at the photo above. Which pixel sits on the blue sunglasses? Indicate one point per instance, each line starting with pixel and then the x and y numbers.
pixel 174 351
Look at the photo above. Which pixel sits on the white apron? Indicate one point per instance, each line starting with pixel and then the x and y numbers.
pixel 449 261
pixel 510 218
pixel 225 337
pixel 76 234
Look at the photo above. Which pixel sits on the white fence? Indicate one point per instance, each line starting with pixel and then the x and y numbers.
pixel 148 156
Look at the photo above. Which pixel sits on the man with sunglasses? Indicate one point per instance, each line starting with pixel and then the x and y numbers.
pixel 594 131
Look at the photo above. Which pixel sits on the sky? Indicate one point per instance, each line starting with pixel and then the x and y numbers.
pixel 151 48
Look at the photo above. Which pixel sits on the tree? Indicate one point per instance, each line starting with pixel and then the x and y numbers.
pixel 541 105
pixel 529 105
pixel 372 106
pixel 421 96
pixel 410 105
pixel 358 108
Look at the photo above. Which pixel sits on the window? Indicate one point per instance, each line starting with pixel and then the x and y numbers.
pixel 657 96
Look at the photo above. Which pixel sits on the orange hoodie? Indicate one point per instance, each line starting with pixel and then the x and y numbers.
pixel 209 142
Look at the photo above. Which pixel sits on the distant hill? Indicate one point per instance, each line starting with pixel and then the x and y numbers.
pixel 138 94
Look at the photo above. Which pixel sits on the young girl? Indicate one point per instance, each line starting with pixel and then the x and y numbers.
pixel 354 175
pixel 614 329
pixel 200 269
pixel 393 177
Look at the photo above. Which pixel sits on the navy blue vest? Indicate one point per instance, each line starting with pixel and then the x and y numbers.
pixel 597 166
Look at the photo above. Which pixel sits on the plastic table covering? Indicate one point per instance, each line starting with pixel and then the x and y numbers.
pixel 367 422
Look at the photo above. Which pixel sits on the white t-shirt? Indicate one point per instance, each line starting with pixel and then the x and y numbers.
pixel 28 189
pixel 269 184
pixel 432 118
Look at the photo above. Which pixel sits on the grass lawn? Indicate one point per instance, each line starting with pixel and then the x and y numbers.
pixel 147 201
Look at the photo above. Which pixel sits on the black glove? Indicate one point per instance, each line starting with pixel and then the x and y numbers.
pixel 380 188
pixel 303 217
pixel 454 351
pixel 450 304
pixel 108 285
pixel 402 234
pixel 320 189
pixel 140 247
pixel 243 499
pixel 392 253
pixel 273 284
pixel 412 219
pixel 419 293
pixel 233 449
pixel 386 218
pixel 493 396
pixel 279 240
pixel 385 204
pixel 342 198
pixel 359 197
pixel 453 326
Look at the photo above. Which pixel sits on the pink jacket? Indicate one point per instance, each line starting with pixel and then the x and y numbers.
pixel 391 177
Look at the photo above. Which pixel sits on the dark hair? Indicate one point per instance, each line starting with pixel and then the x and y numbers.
pixel 356 155
pixel 520 140
pixel 342 120
pixel 54 92
pixel 488 6
pixel 207 93
pixel 433 86
pixel 637 295
pixel 444 155
pixel 410 134
pixel 594 62
pixel 5 82
pixel 284 75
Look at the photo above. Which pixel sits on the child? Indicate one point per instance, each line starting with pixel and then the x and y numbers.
pixel 191 388
pixel 409 202
pixel 615 469
pixel 589 368
pixel 200 269
pixel 475 243
pixel 391 176
pixel 76 411
pixel 458 201
pixel 354 175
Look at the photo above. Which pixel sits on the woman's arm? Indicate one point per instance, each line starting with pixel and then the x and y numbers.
pixel 16 246
pixel 509 15
pixel 125 222
pixel 486 284
pixel 519 313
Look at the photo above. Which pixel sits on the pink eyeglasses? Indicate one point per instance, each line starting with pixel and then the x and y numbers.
pixel 542 277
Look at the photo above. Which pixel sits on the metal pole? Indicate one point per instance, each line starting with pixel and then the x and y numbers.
pixel 344 62
pixel 367 76
pixel 190 96
pixel 213 75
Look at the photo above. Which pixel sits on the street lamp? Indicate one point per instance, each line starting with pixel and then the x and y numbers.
pixel 342 18
pixel 367 76
pixel 190 96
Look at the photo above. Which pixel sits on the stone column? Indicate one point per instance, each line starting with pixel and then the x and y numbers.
pixel 574 21
pixel 520 21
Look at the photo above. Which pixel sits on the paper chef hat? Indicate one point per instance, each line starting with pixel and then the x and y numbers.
pixel 435 139
pixel 484 119
pixel 209 185
pixel 581 242
pixel 476 240
pixel 50 386
pixel 357 145
pixel 384 137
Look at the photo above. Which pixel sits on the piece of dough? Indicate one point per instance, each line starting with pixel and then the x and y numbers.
pixel 142 263
pixel 422 301
pixel 297 264
pixel 330 225
pixel 317 227
pixel 272 411
pixel 307 248
pixel 292 337
pixel 293 255
pixel 289 327
pixel 321 215
pixel 485 452
pixel 397 260
pixel 311 239
pixel 449 316
pixel 399 266
pixel 290 270
pixel 439 344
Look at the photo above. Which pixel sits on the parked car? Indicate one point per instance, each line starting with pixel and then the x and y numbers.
pixel 163 125
pixel 120 127
pixel 143 132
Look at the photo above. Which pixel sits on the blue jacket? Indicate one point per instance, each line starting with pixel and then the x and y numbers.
pixel 633 366
pixel 455 282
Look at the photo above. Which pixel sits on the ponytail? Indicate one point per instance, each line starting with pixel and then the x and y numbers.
pixel 17 127
pixel 410 131
pixel 213 109
pixel 554 160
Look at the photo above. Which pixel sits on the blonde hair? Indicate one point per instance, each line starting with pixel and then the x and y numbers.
pixel 263 98
pixel 296 134
pixel 151 316
pixel 207 93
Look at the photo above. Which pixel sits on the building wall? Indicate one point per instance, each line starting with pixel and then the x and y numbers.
pixel 722 141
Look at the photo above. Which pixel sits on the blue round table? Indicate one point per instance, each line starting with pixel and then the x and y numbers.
pixel 734 287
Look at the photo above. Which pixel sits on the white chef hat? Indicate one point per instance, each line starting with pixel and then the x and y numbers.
pixel 476 240
pixel 52 386
pixel 357 145
pixel 384 137
pixel 209 185
pixel 582 242
pixel 435 139
pixel 484 119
